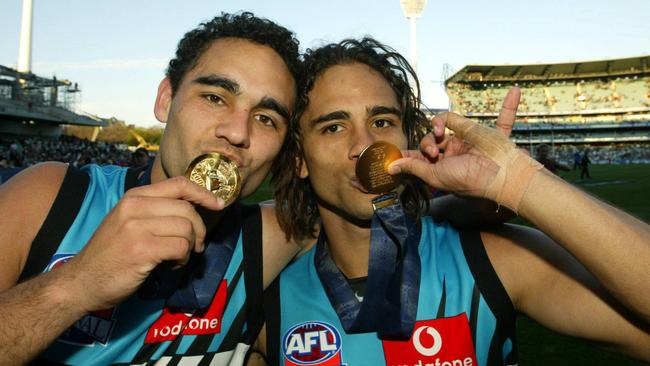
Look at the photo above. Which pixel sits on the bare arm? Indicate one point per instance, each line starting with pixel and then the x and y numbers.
pixel 545 282
pixel 612 244
pixel 35 312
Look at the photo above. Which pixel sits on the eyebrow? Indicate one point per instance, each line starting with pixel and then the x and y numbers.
pixel 274 105
pixel 374 111
pixel 329 117
pixel 220 82
pixel 380 109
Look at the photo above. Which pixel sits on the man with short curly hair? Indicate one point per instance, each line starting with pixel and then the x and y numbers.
pixel 77 244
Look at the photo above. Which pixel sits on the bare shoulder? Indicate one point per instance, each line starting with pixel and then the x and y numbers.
pixel 269 220
pixel 277 249
pixel 25 201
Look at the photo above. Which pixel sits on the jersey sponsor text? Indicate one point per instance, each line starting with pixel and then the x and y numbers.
pixel 436 342
pixel 171 324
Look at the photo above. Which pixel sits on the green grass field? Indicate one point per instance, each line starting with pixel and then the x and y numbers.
pixel 625 186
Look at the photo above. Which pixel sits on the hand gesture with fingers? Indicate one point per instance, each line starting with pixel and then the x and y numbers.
pixel 475 160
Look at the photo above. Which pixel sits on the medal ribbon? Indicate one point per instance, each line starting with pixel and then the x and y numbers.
pixel 390 303
pixel 207 269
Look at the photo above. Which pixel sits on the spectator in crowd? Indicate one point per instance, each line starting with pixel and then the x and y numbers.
pixel 576 160
pixel 7 171
pixel 584 165
pixel 140 158
pixel 24 152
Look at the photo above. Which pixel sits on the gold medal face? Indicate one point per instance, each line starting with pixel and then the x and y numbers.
pixel 217 174
pixel 372 167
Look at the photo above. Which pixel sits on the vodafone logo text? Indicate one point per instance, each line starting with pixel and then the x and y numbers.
pixel 172 324
pixel 437 342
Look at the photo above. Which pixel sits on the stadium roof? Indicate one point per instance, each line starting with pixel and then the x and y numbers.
pixel 536 72
pixel 21 99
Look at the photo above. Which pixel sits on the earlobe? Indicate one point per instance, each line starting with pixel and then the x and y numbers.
pixel 163 101
pixel 301 167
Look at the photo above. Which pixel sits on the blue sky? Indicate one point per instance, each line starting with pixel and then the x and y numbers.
pixel 117 50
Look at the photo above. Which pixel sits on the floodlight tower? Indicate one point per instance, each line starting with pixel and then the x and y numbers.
pixel 412 10
pixel 25 46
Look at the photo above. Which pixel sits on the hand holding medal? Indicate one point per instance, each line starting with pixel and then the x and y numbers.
pixel 219 175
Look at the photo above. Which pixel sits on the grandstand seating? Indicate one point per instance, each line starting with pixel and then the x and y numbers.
pixel 478 90
pixel 598 104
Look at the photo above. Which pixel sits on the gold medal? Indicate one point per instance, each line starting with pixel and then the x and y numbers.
pixel 372 167
pixel 217 174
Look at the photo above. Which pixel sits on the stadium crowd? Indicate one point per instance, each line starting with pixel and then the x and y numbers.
pixel 604 154
pixel 620 93
pixel 17 153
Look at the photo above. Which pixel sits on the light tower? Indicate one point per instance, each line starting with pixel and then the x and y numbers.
pixel 25 46
pixel 412 10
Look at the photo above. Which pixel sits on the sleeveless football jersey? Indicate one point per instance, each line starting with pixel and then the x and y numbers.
pixel 464 315
pixel 146 331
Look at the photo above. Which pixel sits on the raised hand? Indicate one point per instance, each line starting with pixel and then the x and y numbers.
pixel 476 159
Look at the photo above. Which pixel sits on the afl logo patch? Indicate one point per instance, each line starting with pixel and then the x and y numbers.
pixel 312 343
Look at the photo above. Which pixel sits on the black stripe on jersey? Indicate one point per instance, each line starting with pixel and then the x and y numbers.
pixel 488 283
pixel 473 313
pixel 44 362
pixel 272 315
pixel 443 300
pixel 131 179
pixel 207 359
pixel 253 269
pixel 145 352
pixel 486 278
pixel 175 360
pixel 62 214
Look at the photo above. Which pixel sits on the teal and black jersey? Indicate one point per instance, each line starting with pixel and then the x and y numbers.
pixel 464 316
pixel 147 331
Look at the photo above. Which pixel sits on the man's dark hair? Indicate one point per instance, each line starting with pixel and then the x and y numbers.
pixel 243 25
pixel 295 201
